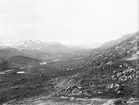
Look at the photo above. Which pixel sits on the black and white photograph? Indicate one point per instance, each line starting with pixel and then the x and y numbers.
pixel 69 52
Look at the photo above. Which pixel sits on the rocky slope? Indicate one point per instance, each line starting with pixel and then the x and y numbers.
pixel 114 42
pixel 110 73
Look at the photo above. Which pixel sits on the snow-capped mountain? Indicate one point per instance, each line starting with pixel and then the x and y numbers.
pixel 21 44
pixel 37 45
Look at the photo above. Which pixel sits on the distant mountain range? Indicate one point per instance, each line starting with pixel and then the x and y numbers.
pixel 37 49
pixel 48 50
pixel 52 47
pixel 39 46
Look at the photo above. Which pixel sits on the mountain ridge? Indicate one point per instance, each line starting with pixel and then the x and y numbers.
pixel 39 45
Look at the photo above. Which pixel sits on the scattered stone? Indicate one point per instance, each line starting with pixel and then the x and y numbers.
pixel 72 98
pixel 133 101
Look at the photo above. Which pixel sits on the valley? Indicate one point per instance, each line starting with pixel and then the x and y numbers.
pixel 74 77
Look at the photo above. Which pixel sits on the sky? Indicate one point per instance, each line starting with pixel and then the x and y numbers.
pixel 70 22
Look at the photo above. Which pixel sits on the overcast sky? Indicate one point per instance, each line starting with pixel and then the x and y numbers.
pixel 70 22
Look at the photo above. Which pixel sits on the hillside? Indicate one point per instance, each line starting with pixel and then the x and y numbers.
pixel 19 61
pixel 109 73
pixel 7 52
pixel 114 42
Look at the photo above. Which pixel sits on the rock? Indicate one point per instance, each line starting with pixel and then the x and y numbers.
pixel 133 101
pixel 72 98
pixel 116 102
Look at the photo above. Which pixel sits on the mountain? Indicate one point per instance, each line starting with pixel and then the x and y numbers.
pixel 38 49
pixel 121 49
pixel 36 45
pixel 114 42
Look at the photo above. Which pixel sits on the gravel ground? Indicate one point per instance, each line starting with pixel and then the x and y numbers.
pixel 63 101
pixel 56 101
